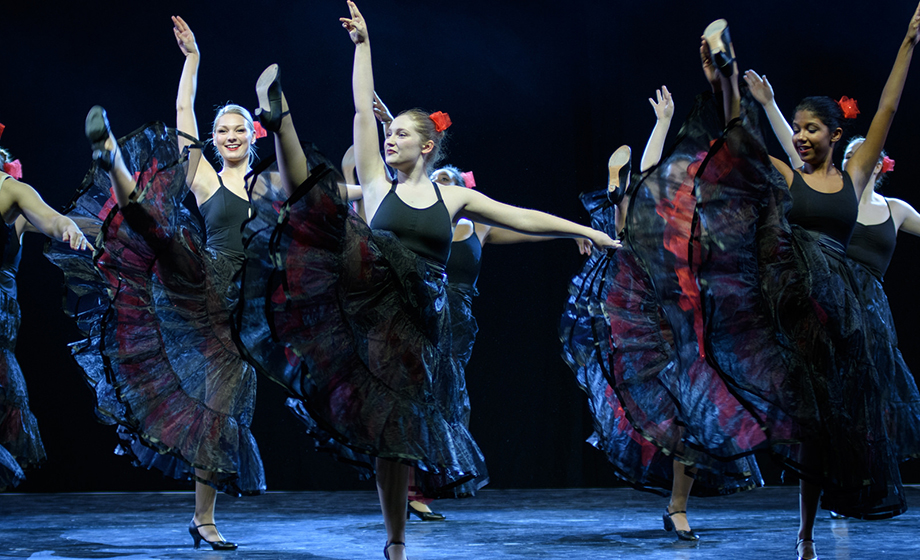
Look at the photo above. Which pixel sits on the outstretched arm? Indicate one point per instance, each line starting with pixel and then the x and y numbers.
pixel 664 111
pixel 502 236
pixel 24 201
pixel 863 162
pixel 367 149
pixel 763 92
pixel 905 217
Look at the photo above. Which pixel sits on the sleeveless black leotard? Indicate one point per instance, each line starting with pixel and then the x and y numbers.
pixel 224 214
pixel 465 262
pixel 425 231
pixel 830 214
pixel 873 246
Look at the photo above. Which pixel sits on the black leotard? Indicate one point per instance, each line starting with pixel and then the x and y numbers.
pixel 425 231
pixel 873 246
pixel 12 252
pixel 831 214
pixel 224 214
pixel 465 261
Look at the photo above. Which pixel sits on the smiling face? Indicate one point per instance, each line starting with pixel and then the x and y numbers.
pixel 232 138
pixel 813 140
pixel 404 146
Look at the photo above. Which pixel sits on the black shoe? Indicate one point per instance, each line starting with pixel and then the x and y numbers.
pixel 835 515
pixel 618 169
pixel 424 515
pixel 669 526
pixel 386 554
pixel 216 545
pixel 799 555
pixel 97 132
pixel 716 36
pixel 268 90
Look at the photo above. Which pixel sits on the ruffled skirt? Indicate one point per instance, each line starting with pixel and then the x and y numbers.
pixel 358 329
pixel 155 306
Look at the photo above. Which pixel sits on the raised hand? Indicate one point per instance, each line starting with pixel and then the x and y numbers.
pixel 913 29
pixel 355 25
pixel 381 112
pixel 760 87
pixel 664 107
pixel 184 36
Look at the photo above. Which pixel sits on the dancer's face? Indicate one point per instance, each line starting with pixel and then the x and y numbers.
pixel 404 145
pixel 442 177
pixel 232 138
pixel 851 149
pixel 813 140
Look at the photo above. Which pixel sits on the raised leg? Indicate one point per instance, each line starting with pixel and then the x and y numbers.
pixel 275 116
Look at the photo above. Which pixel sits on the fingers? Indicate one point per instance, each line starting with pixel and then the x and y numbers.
pixel 667 94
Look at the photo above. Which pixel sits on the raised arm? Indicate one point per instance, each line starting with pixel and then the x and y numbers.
pixel 22 200
pixel 864 160
pixel 664 111
pixel 205 176
pixel 763 92
pixel 479 208
pixel 371 171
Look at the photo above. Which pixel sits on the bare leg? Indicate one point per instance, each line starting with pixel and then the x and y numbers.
pixel 393 490
pixel 205 500
pixel 680 492
pixel 809 494
pixel 121 179
pixel 292 163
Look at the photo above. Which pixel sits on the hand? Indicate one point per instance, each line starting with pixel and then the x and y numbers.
pixel 913 30
pixel 184 36
pixel 760 87
pixel 664 108
pixel 357 28
pixel 584 245
pixel 603 241
pixel 75 237
pixel 380 111
pixel 711 72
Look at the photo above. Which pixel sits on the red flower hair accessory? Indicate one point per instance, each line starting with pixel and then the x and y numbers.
pixel 887 164
pixel 2 126
pixel 13 169
pixel 260 132
pixel 441 121
pixel 848 105
pixel 468 179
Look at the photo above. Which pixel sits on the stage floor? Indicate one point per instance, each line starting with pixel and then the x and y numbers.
pixel 590 524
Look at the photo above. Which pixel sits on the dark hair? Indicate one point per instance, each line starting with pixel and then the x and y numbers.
pixel 882 176
pixel 425 127
pixel 826 109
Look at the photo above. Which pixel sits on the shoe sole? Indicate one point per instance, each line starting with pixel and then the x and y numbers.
pixel 265 81
pixel 96 127
pixel 618 159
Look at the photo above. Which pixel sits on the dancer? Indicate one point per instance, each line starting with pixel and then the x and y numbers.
pixel 631 332
pixel 362 312
pixel 183 400
pixel 811 380
pixel 23 210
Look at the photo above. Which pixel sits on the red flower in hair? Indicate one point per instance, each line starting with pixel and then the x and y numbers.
pixel 260 132
pixel 887 164
pixel 2 126
pixel 441 121
pixel 14 169
pixel 468 179
pixel 848 105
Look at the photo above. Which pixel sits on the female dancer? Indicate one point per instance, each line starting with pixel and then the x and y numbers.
pixel 362 312
pixel 22 210
pixel 814 388
pixel 870 250
pixel 183 400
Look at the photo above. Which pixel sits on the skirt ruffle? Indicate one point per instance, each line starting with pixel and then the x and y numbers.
pixel 155 306
pixel 20 442
pixel 787 333
pixel 357 328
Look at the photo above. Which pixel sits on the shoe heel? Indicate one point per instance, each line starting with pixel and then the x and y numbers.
pixel 268 90
pixel 619 167
pixel 719 41
pixel 97 132
pixel 196 537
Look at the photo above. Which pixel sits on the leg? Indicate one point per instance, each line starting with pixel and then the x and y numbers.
pixel 418 503
pixel 393 490
pixel 680 493
pixel 809 494
pixel 274 114
pixel 105 150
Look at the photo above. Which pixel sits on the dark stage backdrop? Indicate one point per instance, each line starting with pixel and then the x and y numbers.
pixel 540 95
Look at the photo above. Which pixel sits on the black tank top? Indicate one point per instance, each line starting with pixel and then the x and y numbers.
pixel 832 214
pixel 12 253
pixel 224 214
pixel 424 231
pixel 465 260
pixel 873 246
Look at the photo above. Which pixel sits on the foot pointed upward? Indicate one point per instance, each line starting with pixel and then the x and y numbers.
pixel 271 100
